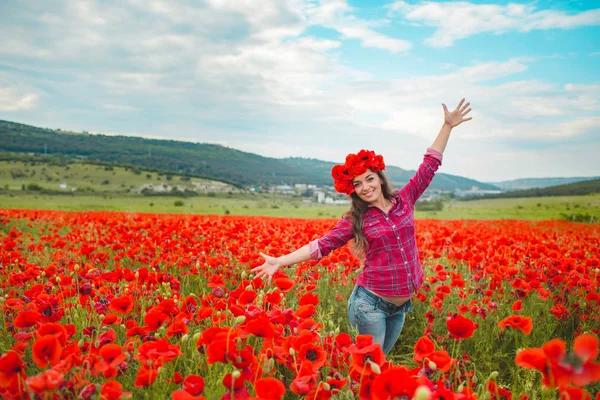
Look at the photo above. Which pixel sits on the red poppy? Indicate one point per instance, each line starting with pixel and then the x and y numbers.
pixel 261 327
pixel 26 319
pixel 269 389
pixel 396 382
pixel 145 377
pixel 423 348
pixel 284 284
pixel 53 328
pixel 46 381
pixel 46 350
pixel 193 384
pixel 12 369
pixel 313 354
pixel 122 304
pixel 524 324
pixel 460 327
pixel 178 328
pixel 183 395
pixel 112 354
pixel 442 360
pixel 112 390
pixel 362 358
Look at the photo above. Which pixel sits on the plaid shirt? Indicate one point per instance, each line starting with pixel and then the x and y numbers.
pixel 392 266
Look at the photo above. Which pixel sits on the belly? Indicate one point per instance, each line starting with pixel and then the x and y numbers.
pixel 397 300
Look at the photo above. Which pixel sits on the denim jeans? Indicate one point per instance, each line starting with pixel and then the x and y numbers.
pixel 377 317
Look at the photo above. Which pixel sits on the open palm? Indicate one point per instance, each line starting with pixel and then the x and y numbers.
pixel 457 116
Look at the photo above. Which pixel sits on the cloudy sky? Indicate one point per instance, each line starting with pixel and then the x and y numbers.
pixel 317 78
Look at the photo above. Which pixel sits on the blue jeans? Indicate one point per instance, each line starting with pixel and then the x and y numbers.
pixel 377 317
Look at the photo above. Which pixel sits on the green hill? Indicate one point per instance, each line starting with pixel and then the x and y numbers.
pixel 571 189
pixel 201 160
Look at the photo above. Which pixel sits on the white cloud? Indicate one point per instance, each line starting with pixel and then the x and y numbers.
pixel 456 20
pixel 119 107
pixel 11 100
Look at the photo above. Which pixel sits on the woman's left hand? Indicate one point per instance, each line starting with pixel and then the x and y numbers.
pixel 456 117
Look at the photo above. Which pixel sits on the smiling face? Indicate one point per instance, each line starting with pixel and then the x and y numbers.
pixel 368 186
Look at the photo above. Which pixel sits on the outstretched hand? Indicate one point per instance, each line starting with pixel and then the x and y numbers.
pixel 270 266
pixel 457 116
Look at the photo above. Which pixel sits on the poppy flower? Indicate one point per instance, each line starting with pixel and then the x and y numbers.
pixel 261 327
pixel 312 353
pixel 396 382
pixel 269 389
pixel 524 324
pixel 12 369
pixel 112 354
pixel 183 395
pixel 460 327
pixel 193 384
pixel 53 328
pixel 361 358
pixel 46 381
pixel 26 319
pixel 46 350
pixel 112 390
pixel 284 284
pixel 442 360
pixel 145 377
pixel 122 304
pixel 423 348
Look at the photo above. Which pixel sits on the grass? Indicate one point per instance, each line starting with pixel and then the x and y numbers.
pixel 91 177
pixel 535 208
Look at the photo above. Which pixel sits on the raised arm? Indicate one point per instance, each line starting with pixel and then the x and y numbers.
pixel 451 120
pixel 433 157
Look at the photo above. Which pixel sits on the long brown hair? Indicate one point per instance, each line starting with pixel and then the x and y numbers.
pixel 356 215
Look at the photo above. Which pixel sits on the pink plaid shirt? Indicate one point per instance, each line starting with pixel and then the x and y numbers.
pixel 392 266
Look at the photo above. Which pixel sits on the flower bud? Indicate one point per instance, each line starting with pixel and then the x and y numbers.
pixel 184 339
pixel 249 288
pixel 292 352
pixel 375 368
pixel 432 366
pixel 236 374
pixel 493 376
pixel 326 386
pixel 196 337
pixel 239 320
pixel 422 393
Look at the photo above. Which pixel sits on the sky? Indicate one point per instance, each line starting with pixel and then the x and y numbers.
pixel 318 79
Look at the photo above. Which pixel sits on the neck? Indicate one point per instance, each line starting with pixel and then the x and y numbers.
pixel 380 203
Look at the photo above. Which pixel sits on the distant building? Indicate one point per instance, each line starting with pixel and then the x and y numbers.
pixel 300 186
pixel 320 197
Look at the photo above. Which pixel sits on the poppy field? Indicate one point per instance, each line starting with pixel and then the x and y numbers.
pixel 101 305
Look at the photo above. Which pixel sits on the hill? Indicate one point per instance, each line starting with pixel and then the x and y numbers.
pixel 202 160
pixel 532 183
pixel 572 189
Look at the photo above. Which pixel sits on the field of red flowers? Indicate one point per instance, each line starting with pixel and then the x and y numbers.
pixel 112 305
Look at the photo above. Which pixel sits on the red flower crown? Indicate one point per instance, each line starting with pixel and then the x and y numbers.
pixel 356 164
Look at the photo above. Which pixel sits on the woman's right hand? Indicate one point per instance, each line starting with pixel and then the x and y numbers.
pixel 270 266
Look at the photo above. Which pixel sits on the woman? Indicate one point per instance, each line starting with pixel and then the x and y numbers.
pixel 381 222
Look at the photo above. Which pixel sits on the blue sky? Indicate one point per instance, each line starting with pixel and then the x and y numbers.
pixel 318 79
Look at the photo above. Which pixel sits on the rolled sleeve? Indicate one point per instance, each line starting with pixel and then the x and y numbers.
pixel 423 177
pixel 337 237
